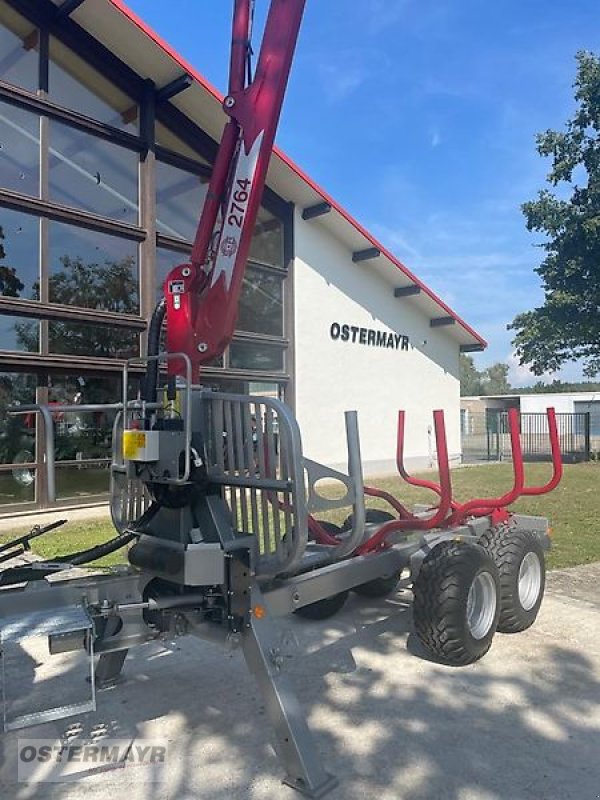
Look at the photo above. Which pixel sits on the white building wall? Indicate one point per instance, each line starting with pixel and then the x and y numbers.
pixel 335 376
pixel 562 403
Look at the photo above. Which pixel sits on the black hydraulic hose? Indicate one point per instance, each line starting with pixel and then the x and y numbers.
pixel 106 548
pixel 31 573
pixel 98 551
pixel 153 349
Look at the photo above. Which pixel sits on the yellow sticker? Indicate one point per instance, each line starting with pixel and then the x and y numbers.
pixel 132 442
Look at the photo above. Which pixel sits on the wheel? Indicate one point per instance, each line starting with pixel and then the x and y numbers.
pixel 379 587
pixel 519 558
pixel 323 609
pixel 329 527
pixel 456 602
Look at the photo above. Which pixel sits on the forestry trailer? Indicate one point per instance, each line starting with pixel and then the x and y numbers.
pixel 219 506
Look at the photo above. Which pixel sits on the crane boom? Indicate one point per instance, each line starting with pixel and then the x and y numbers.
pixel 202 296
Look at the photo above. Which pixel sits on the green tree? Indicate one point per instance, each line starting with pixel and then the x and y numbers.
pixel 491 380
pixel 496 379
pixel 111 286
pixel 567 326
pixel 470 377
pixel 10 285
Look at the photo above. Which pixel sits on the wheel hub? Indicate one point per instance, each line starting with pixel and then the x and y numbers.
pixel 481 605
pixel 529 580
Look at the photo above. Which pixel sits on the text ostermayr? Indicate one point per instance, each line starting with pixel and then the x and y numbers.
pixel 353 333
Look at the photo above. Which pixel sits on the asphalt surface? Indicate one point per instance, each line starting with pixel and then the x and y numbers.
pixel 522 723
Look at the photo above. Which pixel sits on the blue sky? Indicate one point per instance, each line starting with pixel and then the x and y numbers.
pixel 420 116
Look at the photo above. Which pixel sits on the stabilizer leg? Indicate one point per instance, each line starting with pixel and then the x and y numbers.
pixel 108 669
pixel 294 742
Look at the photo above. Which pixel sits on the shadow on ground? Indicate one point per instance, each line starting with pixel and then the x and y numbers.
pixel 522 723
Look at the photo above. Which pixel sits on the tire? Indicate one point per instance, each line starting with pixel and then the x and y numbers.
pixel 323 609
pixel 456 602
pixel 379 587
pixel 519 557
pixel 329 527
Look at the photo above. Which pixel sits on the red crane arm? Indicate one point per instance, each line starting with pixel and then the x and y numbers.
pixel 202 296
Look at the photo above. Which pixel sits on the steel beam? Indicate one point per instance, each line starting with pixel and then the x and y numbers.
pixel 318 210
pixel 179 84
pixel 440 322
pixel 471 348
pixel 66 8
pixel 365 255
pixel 294 742
pixel 407 291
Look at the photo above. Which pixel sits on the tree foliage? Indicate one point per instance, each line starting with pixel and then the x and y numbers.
pixel 567 326
pixel 10 285
pixel 492 380
pixel 111 286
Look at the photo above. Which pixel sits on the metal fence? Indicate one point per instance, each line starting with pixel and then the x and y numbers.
pixel 485 436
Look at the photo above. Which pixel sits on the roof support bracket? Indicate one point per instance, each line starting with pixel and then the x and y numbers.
pixel 439 322
pixel 310 212
pixel 365 255
pixel 471 348
pixel 174 87
pixel 407 291
pixel 66 8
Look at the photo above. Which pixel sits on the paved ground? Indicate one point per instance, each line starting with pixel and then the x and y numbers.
pixel 522 724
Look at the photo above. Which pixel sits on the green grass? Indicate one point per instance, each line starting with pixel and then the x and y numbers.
pixel 71 538
pixel 573 510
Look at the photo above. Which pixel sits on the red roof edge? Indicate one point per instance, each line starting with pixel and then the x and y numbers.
pixel 120 5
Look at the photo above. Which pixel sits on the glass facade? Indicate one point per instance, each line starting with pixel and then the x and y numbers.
pixel 19 150
pixel 92 270
pixel 92 174
pixel 19 255
pixel 19 46
pixel 78 230
pixel 179 198
pixel 74 84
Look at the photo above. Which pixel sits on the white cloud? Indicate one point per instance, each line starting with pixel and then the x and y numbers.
pixel 435 138
pixel 521 375
pixel 340 83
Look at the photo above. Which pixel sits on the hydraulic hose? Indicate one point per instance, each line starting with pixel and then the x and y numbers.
pixel 99 550
pixel 31 573
pixel 154 331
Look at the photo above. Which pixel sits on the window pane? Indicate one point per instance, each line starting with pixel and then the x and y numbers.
pixel 261 357
pixel 83 435
pixel 267 240
pixel 92 174
pixel 165 261
pixel 93 270
pixel 272 390
pixel 76 85
pixel 81 481
pixel 19 334
pixel 19 255
pixel 179 199
pixel 17 485
pixel 167 139
pixel 18 50
pixel 19 150
pixel 17 433
pixel 101 341
pixel 261 303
